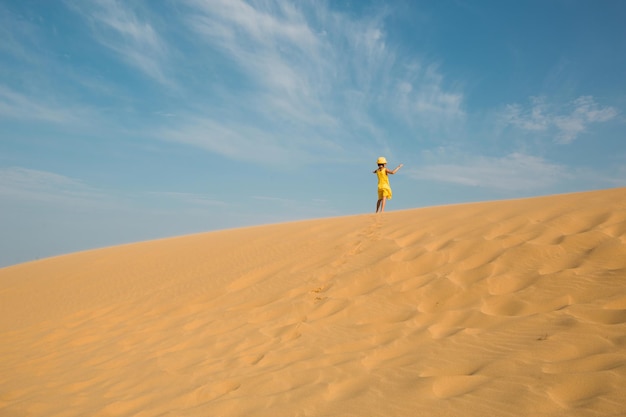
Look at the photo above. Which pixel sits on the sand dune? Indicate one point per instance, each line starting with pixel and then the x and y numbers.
pixel 510 308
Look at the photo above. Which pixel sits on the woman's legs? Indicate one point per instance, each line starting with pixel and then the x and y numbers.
pixel 380 204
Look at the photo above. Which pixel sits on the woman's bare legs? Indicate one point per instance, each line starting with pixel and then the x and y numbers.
pixel 380 204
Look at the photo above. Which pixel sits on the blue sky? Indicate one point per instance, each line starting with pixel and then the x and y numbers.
pixel 123 121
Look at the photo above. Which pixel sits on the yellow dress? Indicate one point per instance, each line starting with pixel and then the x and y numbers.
pixel 384 189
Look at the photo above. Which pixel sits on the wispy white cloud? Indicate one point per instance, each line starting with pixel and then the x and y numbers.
pixel 313 77
pixel 235 141
pixel 303 80
pixel 274 47
pixel 17 105
pixel 40 82
pixel 192 199
pixel 564 122
pixel 52 189
pixel 584 111
pixel 423 100
pixel 513 172
pixel 19 36
pixel 533 118
pixel 299 209
pixel 116 26
pixel 46 187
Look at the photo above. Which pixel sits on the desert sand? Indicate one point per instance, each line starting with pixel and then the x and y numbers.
pixel 505 308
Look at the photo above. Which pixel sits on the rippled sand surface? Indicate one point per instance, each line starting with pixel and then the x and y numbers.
pixel 508 308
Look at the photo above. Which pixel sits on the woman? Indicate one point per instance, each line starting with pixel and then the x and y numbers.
pixel 384 189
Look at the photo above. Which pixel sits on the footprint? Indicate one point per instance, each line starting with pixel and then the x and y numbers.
pixel 457 385
pixel 210 392
pixel 507 284
pixel 511 305
pixel 327 307
pixel 347 389
pixel 438 331
pixel 321 289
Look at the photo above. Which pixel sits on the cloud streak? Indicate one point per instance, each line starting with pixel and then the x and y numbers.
pixel 120 29
pixel 513 172
pixel 20 106
pixel 46 187
pixel 29 185
pixel 272 80
pixel 238 141
pixel 187 199
pixel 565 122
pixel 302 91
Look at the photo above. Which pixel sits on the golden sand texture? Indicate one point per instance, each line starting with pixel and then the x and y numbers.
pixel 509 308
